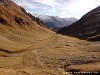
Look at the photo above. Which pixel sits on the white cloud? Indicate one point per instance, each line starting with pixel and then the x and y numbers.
pixel 47 2
pixel 52 10
pixel 25 4
pixel 45 8
pixel 79 7
pixel 62 8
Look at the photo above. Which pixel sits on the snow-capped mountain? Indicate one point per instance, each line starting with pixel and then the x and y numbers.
pixel 55 22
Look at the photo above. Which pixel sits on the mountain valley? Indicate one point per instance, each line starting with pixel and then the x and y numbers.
pixel 28 47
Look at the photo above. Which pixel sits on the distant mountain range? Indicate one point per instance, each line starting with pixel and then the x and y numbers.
pixel 55 22
pixel 88 27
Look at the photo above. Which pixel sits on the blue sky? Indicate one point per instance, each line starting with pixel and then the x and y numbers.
pixel 61 8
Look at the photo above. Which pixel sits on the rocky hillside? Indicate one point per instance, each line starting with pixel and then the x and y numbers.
pixel 88 27
pixel 55 22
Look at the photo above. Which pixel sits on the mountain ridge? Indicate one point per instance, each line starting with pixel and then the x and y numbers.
pixel 55 22
pixel 87 27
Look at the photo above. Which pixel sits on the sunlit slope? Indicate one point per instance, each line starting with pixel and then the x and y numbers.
pixel 17 30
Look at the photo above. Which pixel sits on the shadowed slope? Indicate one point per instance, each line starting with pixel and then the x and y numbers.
pixel 85 28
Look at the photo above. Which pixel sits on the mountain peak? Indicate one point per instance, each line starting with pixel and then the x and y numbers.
pixel 55 22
